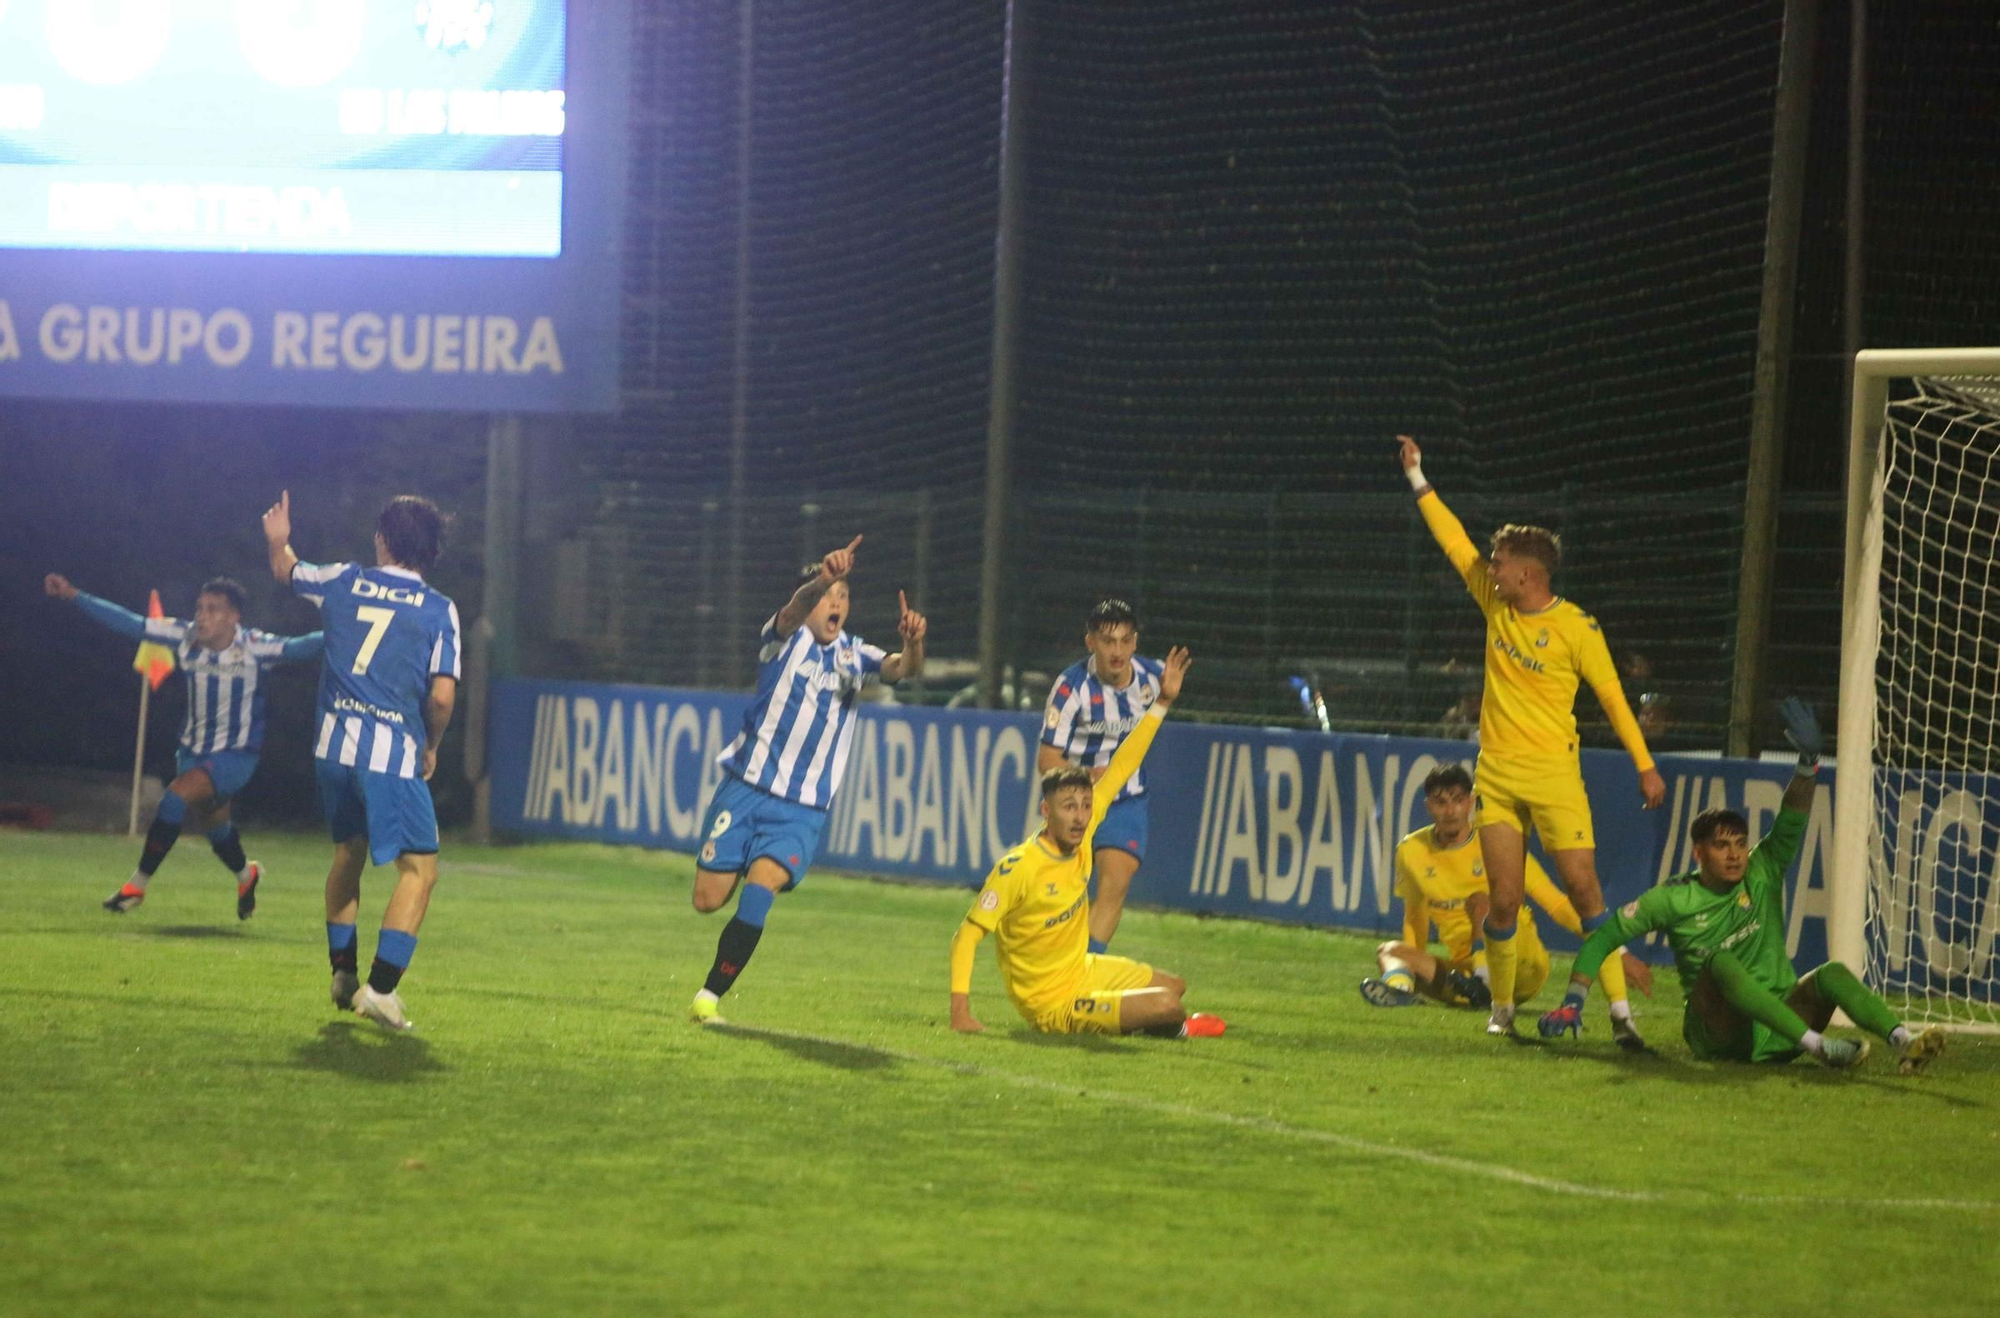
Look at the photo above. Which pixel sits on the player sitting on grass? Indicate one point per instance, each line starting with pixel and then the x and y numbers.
pixel 1726 925
pixel 1441 877
pixel 780 773
pixel 224 733
pixel 1037 902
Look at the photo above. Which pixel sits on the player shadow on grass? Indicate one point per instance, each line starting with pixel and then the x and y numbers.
pixel 827 1052
pixel 194 931
pixel 356 1049
pixel 1653 1065
pixel 1089 1043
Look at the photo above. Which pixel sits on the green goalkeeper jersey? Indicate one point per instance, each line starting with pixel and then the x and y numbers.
pixel 1748 919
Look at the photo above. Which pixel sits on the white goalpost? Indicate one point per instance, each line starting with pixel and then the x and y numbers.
pixel 1916 869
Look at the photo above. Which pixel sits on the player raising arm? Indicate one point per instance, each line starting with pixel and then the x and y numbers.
pixel 780 773
pixel 224 663
pixel 1092 708
pixel 1538 646
pixel 1036 903
pixel 1441 877
pixel 385 698
pixel 1725 922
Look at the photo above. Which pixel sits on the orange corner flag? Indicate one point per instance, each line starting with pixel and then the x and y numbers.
pixel 154 660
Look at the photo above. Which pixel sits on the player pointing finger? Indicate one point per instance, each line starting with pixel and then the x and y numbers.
pixel 840 562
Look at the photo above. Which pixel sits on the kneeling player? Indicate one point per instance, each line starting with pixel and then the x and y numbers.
pixel 1441 877
pixel 1037 903
pixel 1726 925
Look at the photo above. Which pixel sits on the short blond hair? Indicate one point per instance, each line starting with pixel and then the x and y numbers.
pixel 1536 542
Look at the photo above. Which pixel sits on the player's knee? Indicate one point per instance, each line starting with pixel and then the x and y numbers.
pixel 706 901
pixel 1383 951
pixel 1175 986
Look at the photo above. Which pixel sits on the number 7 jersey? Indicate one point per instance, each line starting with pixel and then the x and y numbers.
pixel 388 633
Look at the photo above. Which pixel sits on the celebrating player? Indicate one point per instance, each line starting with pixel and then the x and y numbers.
pixel 1441 876
pixel 1093 706
pixel 781 771
pixel 224 662
pixel 1537 646
pixel 385 698
pixel 1725 921
pixel 1037 902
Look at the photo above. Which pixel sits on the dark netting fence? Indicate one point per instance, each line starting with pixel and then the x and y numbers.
pixel 1259 240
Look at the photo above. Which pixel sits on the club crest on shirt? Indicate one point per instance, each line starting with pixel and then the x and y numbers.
pixel 989 900
pixel 1542 641
pixel 1743 899
pixel 1630 910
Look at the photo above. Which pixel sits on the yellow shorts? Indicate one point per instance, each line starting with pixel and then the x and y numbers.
pixel 1531 959
pixel 1092 1006
pixel 1547 794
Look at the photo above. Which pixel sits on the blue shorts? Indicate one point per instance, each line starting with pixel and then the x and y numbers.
pixel 229 770
pixel 744 823
pixel 396 813
pixel 1124 828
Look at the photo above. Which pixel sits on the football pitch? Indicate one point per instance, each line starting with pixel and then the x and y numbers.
pixel 190 1128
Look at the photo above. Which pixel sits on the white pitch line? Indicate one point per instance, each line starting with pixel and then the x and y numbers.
pixel 1374 1148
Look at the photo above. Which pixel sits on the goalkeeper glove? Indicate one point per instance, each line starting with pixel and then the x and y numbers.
pixel 1567 1018
pixel 1802 731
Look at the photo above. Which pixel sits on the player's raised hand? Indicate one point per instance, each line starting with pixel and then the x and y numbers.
pixel 1175 671
pixel 57 586
pixel 1408 454
pixel 1802 727
pixel 840 562
pixel 1652 789
pixel 278 521
pixel 911 624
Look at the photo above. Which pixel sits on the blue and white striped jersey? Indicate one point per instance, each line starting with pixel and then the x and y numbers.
pixel 796 734
pixel 225 687
pixel 1086 720
pixel 387 635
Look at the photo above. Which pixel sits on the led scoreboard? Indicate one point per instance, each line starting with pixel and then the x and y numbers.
pixel 355 202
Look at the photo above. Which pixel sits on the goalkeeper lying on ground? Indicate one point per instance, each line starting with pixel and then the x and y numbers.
pixel 1726 924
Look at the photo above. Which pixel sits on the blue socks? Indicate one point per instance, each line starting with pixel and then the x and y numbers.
pixel 393 950
pixel 340 945
pixel 739 938
pixel 753 905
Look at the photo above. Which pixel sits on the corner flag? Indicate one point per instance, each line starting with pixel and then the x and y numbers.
pixel 154 660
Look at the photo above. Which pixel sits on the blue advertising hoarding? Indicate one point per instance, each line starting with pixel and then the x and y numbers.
pixel 342 202
pixel 1267 823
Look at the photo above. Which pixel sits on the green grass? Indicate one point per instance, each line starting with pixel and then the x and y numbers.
pixel 186 1127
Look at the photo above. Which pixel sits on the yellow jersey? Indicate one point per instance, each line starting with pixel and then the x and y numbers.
pixel 1534 662
pixel 1036 901
pixel 1433 883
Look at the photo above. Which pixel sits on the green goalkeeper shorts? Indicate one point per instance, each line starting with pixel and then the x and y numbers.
pixel 1752 1042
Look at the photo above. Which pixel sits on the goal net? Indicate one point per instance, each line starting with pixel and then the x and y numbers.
pixel 1917 880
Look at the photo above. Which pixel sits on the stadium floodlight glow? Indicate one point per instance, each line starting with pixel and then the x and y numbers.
pixel 107 51
pixel 292 51
pixel 1915 899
